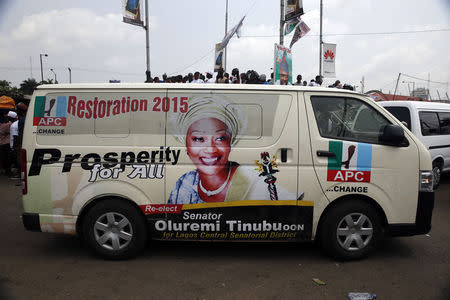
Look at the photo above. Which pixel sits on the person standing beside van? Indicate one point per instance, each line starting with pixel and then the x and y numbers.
pixel 5 146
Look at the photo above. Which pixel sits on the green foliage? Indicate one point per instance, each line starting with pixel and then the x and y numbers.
pixel 10 91
pixel 28 86
pixel 48 81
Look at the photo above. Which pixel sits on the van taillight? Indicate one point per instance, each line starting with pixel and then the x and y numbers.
pixel 23 170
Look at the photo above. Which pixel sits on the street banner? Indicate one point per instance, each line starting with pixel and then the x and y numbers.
pixel 132 12
pixel 282 67
pixel 293 9
pixel 329 57
pixel 301 30
pixel 290 26
pixel 236 29
pixel 218 57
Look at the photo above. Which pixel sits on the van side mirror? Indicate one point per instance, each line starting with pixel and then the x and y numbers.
pixel 393 135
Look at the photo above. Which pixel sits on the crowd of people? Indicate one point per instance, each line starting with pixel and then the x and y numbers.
pixel 11 133
pixel 249 77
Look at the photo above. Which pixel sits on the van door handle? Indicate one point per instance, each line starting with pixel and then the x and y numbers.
pixel 284 154
pixel 325 153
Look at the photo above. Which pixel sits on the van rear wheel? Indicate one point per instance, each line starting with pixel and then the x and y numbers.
pixel 115 229
pixel 351 230
pixel 436 174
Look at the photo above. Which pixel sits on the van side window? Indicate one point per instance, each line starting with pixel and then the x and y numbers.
pixel 260 117
pixel 429 123
pixel 347 119
pixel 401 113
pixel 444 122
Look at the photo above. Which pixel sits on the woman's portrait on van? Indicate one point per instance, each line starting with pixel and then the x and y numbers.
pixel 209 130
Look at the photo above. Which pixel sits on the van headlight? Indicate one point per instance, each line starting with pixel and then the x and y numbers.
pixel 426 181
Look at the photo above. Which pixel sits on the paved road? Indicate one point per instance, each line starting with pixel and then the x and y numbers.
pixel 48 266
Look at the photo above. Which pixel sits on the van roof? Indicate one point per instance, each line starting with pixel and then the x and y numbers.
pixel 417 104
pixel 189 86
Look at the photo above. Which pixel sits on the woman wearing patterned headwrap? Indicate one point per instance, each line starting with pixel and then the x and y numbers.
pixel 209 129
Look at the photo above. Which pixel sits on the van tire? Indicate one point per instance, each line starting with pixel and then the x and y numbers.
pixel 437 172
pixel 356 240
pixel 115 229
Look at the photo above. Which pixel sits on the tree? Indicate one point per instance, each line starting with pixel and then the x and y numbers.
pixel 8 90
pixel 28 86
pixel 48 81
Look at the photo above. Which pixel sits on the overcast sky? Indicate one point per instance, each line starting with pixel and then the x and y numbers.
pixel 90 38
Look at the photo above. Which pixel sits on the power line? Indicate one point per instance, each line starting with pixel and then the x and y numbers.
pixel 207 53
pixel 359 33
pixel 439 82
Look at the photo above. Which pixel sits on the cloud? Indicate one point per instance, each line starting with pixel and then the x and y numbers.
pixel 78 38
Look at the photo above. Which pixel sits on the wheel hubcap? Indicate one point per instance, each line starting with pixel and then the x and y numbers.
pixel 354 231
pixel 436 175
pixel 113 231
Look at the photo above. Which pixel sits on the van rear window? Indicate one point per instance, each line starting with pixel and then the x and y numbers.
pixel 429 123
pixel 401 113
pixel 444 122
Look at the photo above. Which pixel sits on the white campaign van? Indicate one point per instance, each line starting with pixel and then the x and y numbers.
pixel 120 163
pixel 430 123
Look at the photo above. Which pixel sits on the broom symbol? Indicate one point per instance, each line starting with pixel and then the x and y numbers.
pixel 350 151
pixel 52 103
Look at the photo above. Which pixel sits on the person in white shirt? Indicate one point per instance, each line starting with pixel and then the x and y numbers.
pixel 209 78
pixel 14 129
pixel 317 82
pixel 197 78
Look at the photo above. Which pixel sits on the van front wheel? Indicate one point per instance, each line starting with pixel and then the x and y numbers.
pixel 351 230
pixel 115 229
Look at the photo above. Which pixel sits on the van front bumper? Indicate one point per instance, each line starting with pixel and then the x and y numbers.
pixel 31 221
pixel 424 213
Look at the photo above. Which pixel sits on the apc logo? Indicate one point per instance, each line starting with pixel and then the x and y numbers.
pixel 50 111
pixel 352 162
pixel 329 55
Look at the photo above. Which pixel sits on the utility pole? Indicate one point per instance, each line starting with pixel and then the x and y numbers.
pixel 362 85
pixel 31 69
pixel 42 72
pixel 281 22
pixel 70 75
pixel 56 81
pixel 320 40
pixel 396 85
pixel 226 30
pixel 147 42
pixel 428 87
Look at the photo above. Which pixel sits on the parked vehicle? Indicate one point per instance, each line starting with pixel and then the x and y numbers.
pixel 430 123
pixel 118 164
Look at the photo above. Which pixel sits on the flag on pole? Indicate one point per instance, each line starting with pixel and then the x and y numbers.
pixel 132 12
pixel 293 9
pixel 329 57
pixel 218 58
pixel 290 26
pixel 282 68
pixel 301 30
pixel 236 29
